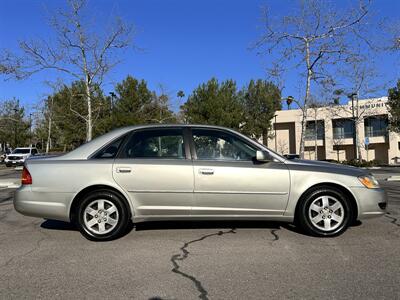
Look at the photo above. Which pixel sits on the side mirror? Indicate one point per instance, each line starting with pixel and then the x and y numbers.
pixel 263 156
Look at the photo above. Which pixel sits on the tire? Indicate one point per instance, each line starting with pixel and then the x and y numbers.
pixel 102 216
pixel 324 212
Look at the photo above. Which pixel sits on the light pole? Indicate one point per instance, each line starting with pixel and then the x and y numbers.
pixel 353 97
pixel 289 101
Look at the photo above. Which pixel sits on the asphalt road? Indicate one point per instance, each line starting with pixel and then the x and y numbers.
pixel 206 260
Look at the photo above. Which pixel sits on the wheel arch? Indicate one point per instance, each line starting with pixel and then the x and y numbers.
pixel 81 194
pixel 343 189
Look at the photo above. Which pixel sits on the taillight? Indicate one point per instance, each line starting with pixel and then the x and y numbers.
pixel 26 177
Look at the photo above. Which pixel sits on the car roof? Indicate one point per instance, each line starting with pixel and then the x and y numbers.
pixel 85 150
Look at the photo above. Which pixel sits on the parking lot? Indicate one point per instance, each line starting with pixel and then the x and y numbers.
pixel 207 260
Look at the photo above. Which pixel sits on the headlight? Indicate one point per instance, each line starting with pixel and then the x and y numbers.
pixel 369 181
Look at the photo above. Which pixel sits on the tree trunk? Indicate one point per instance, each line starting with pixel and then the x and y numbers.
pixel 89 121
pixel 304 109
pixel 48 144
pixel 357 132
pixel 265 138
pixel 304 116
pixel 316 134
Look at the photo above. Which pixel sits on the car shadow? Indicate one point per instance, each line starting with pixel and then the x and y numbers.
pixel 166 225
pixel 190 225
pixel 58 225
pixel 169 225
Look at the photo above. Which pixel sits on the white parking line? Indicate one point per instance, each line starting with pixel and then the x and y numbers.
pixel 393 178
pixel 6 183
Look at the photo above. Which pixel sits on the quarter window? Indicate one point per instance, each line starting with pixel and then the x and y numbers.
pixel 110 151
pixel 160 144
pixel 218 145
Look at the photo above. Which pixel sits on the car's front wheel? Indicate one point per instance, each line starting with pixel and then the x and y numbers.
pixel 324 212
pixel 102 215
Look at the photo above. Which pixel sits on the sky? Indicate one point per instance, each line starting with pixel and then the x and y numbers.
pixel 178 44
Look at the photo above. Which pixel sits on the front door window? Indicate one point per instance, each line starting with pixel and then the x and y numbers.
pixel 218 145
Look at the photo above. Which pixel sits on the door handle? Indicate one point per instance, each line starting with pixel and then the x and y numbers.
pixel 206 171
pixel 123 170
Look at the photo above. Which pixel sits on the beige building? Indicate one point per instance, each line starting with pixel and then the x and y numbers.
pixel 330 130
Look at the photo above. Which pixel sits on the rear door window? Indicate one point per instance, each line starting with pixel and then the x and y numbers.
pixel 156 144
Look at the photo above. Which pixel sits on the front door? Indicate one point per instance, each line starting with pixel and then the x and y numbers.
pixel 228 181
pixel 154 167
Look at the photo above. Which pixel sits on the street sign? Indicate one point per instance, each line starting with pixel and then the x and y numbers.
pixel 366 142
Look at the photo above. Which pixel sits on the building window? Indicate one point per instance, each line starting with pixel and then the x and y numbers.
pixel 343 128
pixel 310 130
pixel 376 126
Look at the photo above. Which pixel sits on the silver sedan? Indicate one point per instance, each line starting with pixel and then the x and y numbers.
pixel 192 172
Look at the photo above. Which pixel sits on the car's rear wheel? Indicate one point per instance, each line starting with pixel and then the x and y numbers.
pixel 324 212
pixel 102 215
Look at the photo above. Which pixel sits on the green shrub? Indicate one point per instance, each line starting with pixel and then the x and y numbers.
pixel 361 164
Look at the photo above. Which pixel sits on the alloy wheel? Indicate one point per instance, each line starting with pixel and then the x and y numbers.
pixel 326 213
pixel 101 216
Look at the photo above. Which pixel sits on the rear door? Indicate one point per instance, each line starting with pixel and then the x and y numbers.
pixel 155 168
pixel 228 180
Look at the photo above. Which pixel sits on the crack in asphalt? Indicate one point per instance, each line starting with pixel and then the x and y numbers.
pixel 185 254
pixel 393 219
pixel 276 236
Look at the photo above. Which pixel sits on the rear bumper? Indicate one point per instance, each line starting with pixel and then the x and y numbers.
pixel 48 205
pixel 371 202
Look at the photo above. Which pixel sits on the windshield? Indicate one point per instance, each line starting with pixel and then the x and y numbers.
pixel 21 151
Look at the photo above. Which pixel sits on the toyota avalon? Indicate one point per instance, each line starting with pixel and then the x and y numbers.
pixel 192 172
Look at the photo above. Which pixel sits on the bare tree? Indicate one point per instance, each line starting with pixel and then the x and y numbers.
pixel 361 76
pixel 77 51
pixel 337 143
pixel 283 147
pixel 161 105
pixel 315 39
pixel 315 106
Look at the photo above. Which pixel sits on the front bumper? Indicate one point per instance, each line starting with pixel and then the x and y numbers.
pixel 48 205
pixel 15 163
pixel 371 202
